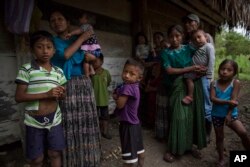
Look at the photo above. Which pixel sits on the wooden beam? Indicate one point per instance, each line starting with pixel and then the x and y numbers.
pixel 207 10
pixel 190 9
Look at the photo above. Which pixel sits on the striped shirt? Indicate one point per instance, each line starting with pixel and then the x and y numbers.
pixel 39 80
pixel 205 56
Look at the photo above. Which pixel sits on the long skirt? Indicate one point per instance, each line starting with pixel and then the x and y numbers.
pixel 81 125
pixel 161 117
pixel 187 122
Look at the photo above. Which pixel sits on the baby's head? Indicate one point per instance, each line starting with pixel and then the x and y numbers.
pixel 133 70
pixel 84 18
pixel 199 37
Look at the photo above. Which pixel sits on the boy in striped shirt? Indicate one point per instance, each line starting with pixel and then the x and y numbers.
pixel 204 56
pixel 40 85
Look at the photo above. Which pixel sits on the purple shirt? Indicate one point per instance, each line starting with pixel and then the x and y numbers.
pixel 129 112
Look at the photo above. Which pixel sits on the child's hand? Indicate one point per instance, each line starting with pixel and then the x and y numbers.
pixel 62 92
pixel 115 95
pixel 56 92
pixel 88 34
pixel 228 119
pixel 233 103
pixel 67 36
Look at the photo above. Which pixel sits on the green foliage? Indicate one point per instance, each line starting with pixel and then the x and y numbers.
pixel 232 45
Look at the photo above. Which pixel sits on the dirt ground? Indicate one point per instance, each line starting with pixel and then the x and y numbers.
pixel 12 156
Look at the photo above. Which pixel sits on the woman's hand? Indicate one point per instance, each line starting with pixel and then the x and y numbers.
pixel 199 68
pixel 68 52
pixel 68 36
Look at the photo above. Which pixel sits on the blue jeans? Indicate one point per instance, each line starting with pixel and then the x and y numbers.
pixel 208 103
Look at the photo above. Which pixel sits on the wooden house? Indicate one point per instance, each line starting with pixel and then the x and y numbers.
pixel 116 23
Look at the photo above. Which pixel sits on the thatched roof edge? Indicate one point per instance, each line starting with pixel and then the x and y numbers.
pixel 237 11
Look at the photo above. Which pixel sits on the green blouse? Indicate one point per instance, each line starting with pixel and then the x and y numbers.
pixel 177 58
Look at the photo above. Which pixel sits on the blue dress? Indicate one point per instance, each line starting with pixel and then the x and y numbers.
pixel 222 110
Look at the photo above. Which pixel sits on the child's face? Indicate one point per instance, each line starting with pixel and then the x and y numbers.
pixel 199 38
pixel 43 50
pixel 97 63
pixel 157 39
pixel 226 72
pixel 141 40
pixel 175 39
pixel 131 74
pixel 83 19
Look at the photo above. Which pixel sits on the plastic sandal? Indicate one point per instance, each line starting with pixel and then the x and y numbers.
pixel 187 100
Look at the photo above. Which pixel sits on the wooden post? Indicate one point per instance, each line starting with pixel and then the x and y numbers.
pixel 140 18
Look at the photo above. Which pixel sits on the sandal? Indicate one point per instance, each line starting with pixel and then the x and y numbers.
pixel 196 154
pixel 187 100
pixel 168 157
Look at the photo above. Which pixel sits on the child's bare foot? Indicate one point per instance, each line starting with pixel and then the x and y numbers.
pixel 168 157
pixel 187 100
pixel 221 163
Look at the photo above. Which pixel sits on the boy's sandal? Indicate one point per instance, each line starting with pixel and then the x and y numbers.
pixel 187 100
pixel 168 157
pixel 196 154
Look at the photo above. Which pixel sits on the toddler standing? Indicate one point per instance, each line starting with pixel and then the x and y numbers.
pixel 101 80
pixel 127 98
pixel 142 49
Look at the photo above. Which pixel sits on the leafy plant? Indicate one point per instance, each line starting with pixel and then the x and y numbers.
pixel 232 45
